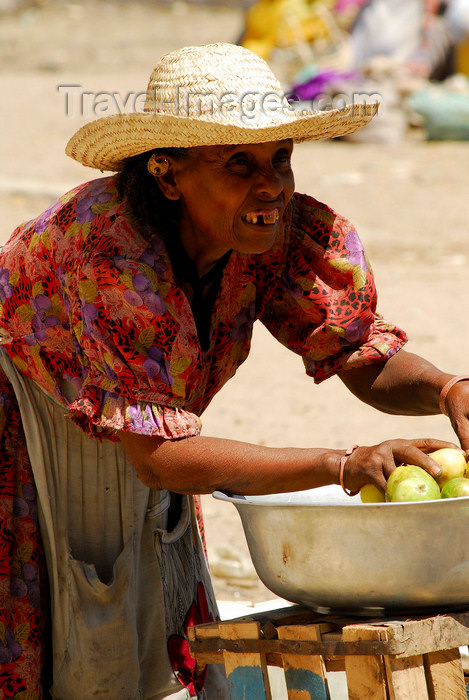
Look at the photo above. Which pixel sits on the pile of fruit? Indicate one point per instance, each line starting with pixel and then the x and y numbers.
pixel 411 483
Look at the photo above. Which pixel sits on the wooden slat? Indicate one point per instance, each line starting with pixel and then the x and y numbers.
pixel 207 630
pixel 445 675
pixel 422 635
pixel 247 672
pixel 366 675
pixel 335 663
pixel 304 674
pixel 406 678
pixel 397 637
pixel 385 659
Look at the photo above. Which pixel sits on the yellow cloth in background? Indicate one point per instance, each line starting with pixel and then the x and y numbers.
pixel 274 24
pixel 462 57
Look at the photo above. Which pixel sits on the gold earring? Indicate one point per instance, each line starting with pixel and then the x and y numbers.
pixel 158 166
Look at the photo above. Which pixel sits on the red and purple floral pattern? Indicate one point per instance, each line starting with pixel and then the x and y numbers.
pixel 23 579
pixel 84 296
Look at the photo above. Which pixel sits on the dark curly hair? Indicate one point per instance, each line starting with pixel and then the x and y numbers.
pixel 148 208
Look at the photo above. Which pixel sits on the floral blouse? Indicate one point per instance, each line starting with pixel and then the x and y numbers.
pixel 85 297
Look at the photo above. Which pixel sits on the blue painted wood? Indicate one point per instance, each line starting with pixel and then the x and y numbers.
pixel 247 683
pixel 307 681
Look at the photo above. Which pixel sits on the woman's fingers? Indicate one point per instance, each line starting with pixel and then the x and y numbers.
pixel 457 407
pixel 374 464
pixel 416 453
pixel 380 481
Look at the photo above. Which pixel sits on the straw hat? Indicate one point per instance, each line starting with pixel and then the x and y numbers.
pixel 208 95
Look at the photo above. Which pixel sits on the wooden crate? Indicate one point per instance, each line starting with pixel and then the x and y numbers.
pixel 404 658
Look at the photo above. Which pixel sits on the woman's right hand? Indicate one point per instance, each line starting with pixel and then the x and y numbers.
pixel 374 464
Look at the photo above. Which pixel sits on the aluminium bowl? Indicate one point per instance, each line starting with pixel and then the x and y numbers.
pixel 332 553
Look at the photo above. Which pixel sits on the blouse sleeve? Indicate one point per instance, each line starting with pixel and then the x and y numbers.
pixel 324 304
pixel 134 359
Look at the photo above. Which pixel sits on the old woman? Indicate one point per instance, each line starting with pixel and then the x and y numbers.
pixel 126 306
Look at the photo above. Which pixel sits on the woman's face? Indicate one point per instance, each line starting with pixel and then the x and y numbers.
pixel 232 197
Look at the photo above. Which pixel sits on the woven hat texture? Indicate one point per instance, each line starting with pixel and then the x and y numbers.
pixel 216 94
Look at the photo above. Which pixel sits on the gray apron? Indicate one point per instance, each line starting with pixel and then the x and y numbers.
pixel 120 582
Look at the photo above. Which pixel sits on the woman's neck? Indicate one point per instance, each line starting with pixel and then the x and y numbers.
pixel 203 254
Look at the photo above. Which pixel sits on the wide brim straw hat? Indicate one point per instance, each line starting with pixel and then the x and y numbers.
pixel 217 94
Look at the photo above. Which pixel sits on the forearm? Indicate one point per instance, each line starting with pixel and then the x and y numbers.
pixel 205 464
pixel 406 384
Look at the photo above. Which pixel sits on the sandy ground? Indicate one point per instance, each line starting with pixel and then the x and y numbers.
pixel 408 201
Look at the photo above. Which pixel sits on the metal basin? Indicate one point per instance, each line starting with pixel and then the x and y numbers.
pixel 330 552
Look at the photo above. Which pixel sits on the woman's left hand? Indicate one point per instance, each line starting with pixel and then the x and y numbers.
pixel 457 408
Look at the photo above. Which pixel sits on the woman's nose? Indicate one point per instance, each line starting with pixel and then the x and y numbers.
pixel 269 183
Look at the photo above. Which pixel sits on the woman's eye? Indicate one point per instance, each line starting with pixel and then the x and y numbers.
pixel 244 164
pixel 239 160
pixel 282 159
pixel 241 165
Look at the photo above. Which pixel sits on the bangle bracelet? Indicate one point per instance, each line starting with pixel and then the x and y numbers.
pixel 447 387
pixel 343 461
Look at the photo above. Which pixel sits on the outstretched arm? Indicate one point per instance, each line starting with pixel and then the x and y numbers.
pixel 407 384
pixel 205 464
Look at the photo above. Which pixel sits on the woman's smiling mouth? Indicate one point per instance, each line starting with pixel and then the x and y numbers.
pixel 262 216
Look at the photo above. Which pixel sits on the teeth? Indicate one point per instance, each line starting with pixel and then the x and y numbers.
pixel 268 217
pixel 251 218
pixel 271 217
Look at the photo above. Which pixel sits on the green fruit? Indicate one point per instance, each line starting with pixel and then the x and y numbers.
pixel 403 472
pixel 456 488
pixel 411 483
pixel 369 493
pixel 452 463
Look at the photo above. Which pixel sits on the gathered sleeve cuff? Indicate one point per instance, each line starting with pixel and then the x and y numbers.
pixel 100 413
pixel 381 342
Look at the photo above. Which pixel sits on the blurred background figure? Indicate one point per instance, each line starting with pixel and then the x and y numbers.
pixel 419 33
pixel 420 36
pixel 393 48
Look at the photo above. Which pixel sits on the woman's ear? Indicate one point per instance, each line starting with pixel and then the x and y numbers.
pixel 168 186
pixel 163 168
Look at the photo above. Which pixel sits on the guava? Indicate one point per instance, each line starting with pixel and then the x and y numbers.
pixel 369 493
pixel 456 488
pixel 411 483
pixel 399 473
pixel 452 463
